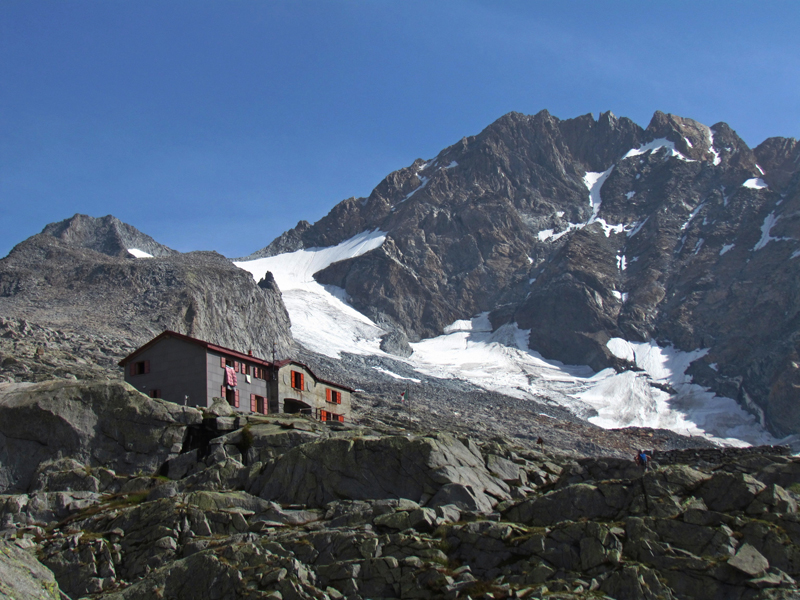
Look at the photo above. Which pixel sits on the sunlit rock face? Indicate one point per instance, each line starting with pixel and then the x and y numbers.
pixel 100 287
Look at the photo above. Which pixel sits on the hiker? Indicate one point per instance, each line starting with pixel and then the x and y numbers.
pixel 540 441
pixel 642 459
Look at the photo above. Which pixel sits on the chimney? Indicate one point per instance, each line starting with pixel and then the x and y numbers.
pixel 249 353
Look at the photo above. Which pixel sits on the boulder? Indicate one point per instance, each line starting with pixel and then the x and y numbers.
pixel 96 423
pixel 726 492
pixel 750 561
pixel 373 468
pixel 502 468
pixel 571 503
pixel 64 475
pixel 773 499
pixel 220 408
pixel 462 497
pixel 782 474
pixel 396 342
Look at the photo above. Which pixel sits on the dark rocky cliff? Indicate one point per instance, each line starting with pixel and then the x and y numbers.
pixel 675 247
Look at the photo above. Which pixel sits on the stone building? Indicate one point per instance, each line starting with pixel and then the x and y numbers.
pixel 189 371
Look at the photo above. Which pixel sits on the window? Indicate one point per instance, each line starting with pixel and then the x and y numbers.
pixel 155 393
pixel 258 404
pixel 140 368
pixel 324 415
pixel 297 380
pixel 230 395
pixel 333 396
pixel 229 362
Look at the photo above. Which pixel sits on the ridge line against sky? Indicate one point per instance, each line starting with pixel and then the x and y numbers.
pixel 219 126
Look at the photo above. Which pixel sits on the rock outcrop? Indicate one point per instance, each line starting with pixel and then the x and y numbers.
pixel 22 577
pixel 362 469
pixel 53 434
pixel 109 494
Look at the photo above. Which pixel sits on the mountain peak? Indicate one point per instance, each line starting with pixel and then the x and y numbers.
pixel 107 235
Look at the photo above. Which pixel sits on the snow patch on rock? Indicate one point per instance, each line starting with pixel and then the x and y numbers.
pixel 756 183
pixel 139 253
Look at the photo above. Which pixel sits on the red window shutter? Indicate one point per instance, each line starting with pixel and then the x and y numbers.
pixel 222 361
pixel 338 397
pixel 222 392
pixel 236 399
pixel 327 394
pixel 236 366
pixel 253 403
pixel 146 367
pixel 341 418
pixel 323 415
pixel 302 382
pixel 294 379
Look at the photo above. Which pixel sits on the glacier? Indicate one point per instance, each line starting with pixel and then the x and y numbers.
pixel 501 361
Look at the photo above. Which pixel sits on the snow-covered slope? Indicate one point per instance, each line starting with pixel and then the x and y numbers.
pixel 500 361
pixel 322 320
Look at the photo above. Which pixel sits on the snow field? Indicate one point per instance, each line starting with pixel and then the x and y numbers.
pixel 322 320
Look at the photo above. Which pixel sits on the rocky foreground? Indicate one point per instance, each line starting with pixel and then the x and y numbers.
pixel 108 494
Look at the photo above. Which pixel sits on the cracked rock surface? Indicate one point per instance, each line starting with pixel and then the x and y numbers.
pixel 287 507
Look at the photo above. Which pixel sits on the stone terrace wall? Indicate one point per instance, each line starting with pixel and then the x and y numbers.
pixel 714 455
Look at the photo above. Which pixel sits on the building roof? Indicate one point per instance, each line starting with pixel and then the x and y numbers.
pixel 227 351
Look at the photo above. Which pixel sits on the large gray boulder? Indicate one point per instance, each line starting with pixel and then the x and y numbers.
pixel 100 423
pixel 574 502
pixel 372 468
pixel 22 577
pixel 730 491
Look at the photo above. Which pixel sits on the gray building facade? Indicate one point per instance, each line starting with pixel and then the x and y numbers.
pixel 192 372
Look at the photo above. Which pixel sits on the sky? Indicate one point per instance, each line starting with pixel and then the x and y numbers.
pixel 219 125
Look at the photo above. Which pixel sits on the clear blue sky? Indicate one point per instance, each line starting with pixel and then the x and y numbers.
pixel 219 125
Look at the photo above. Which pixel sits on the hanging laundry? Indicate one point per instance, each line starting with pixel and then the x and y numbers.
pixel 230 377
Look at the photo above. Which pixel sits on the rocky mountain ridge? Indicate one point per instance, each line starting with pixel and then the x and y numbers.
pixel 77 278
pixel 586 229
